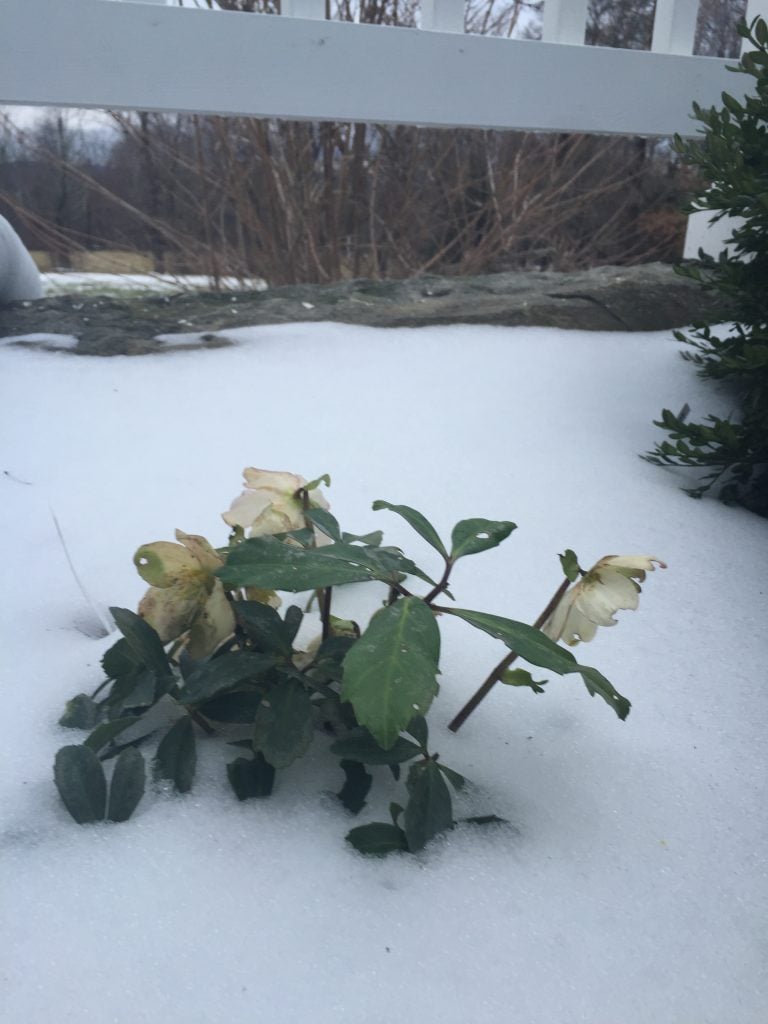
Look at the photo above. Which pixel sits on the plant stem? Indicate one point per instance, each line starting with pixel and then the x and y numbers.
pixel 441 586
pixel 201 721
pixel 504 664
pixel 324 598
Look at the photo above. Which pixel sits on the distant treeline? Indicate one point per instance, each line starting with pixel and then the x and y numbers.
pixel 301 201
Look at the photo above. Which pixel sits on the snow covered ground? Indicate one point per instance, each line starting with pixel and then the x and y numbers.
pixel 630 886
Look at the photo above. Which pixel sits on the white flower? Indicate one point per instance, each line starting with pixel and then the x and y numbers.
pixel 184 595
pixel 609 585
pixel 269 504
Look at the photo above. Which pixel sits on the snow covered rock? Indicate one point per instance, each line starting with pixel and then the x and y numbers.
pixel 19 277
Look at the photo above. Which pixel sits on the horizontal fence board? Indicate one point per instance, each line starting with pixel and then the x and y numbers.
pixel 96 53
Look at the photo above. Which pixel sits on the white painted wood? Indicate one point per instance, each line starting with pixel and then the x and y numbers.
pixel 442 15
pixel 19 277
pixel 312 9
pixel 674 26
pixel 148 57
pixel 565 21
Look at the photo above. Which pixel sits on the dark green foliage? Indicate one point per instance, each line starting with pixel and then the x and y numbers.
pixel 81 712
pixel 284 724
pixel 142 643
pixel 361 746
pixel 733 156
pixel 81 783
pixel 355 789
pixel 251 776
pixel 378 839
pixel 419 522
pixel 221 674
pixel 471 536
pixel 176 757
pixel 429 808
pixel 365 693
pixel 127 786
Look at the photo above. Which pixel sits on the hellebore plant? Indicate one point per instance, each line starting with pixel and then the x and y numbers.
pixel 209 651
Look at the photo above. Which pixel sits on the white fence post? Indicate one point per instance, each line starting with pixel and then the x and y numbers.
pixel 699 232
pixel 442 15
pixel 314 10
pixel 674 26
pixel 565 21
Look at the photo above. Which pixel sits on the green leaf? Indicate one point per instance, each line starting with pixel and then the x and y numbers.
pixel 417 727
pixel 284 724
pixel 456 780
pixel 325 522
pixel 355 789
pixel 144 690
pixel 420 524
pixel 371 540
pixel 106 732
pixel 394 566
pixel 471 536
pixel 142 640
pixel 237 706
pixel 120 660
pixel 82 712
pixel 570 564
pixel 127 786
pixel 519 677
pixel 292 621
pixel 429 809
pixel 537 648
pixel 731 104
pixel 251 777
pixel 361 746
pixel 377 839
pixel 176 757
pixel 323 480
pixel 390 672
pixel 264 626
pixel 528 642
pixel 81 783
pixel 327 664
pixel 223 673
pixel 596 683
pixel 267 563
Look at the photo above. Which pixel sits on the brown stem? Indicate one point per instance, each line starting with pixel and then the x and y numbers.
pixel 202 722
pixel 504 664
pixel 325 610
pixel 440 587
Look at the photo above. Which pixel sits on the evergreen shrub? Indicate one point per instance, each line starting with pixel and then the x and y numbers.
pixel 733 157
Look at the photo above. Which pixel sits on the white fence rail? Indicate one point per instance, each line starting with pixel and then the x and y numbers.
pixel 144 55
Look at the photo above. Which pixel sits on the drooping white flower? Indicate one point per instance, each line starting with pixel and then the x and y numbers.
pixel 269 505
pixel 609 586
pixel 184 596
